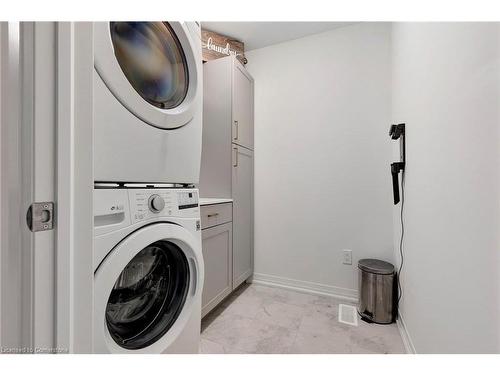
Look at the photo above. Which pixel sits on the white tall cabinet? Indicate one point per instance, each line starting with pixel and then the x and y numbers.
pixel 227 152
pixel 242 105
pixel 242 183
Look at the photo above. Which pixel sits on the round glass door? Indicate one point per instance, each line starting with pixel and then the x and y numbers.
pixel 151 57
pixel 148 295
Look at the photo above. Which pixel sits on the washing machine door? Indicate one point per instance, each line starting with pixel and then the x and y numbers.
pixel 152 68
pixel 144 290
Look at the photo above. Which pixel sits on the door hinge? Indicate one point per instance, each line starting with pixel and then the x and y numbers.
pixel 40 216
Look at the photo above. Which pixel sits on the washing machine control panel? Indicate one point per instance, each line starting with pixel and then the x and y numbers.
pixel 153 203
pixel 119 208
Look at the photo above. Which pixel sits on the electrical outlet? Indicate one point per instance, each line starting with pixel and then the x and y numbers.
pixel 347 256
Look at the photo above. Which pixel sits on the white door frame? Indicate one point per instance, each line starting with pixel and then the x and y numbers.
pixel 46 155
pixel 10 193
pixel 75 184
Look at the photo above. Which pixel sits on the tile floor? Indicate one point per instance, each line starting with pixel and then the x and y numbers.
pixel 261 319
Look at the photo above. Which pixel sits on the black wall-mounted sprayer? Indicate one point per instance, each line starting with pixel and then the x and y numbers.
pixel 398 132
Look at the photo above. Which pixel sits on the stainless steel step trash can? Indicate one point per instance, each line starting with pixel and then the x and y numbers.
pixel 376 291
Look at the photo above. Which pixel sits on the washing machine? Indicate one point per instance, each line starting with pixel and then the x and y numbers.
pixel 148 270
pixel 147 102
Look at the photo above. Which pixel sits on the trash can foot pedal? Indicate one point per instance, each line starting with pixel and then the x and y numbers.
pixel 365 319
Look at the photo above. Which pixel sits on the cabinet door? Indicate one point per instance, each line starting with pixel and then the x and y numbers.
pixel 242 187
pixel 215 172
pixel 217 256
pixel 242 106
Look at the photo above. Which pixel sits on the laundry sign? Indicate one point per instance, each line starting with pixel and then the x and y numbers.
pixel 216 46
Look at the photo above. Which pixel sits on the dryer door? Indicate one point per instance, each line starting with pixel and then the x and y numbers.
pixel 144 288
pixel 152 68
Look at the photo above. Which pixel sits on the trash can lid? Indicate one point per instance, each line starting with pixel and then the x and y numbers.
pixel 376 266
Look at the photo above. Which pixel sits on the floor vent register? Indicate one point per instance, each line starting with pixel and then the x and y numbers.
pixel 348 315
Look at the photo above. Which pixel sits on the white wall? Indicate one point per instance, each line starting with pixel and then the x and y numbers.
pixel 322 155
pixel 446 89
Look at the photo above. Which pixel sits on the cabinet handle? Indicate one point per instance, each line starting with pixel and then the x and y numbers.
pixel 213 215
pixel 237 129
pixel 235 157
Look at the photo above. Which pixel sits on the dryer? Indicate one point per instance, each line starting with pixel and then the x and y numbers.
pixel 148 271
pixel 147 102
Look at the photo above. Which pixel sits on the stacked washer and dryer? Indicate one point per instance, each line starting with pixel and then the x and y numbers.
pixel 148 264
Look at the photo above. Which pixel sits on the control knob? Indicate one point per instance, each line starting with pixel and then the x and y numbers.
pixel 156 203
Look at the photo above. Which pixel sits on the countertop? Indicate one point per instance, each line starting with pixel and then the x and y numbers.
pixel 208 201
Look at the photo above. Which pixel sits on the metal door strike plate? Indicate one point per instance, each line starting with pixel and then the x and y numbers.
pixel 40 216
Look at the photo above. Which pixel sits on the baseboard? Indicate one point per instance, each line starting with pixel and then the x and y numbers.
pixel 350 295
pixel 405 335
